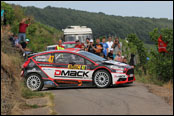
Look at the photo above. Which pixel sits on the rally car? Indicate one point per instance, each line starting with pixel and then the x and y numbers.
pixel 73 68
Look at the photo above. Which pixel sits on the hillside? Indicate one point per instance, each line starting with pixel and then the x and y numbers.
pixel 13 91
pixel 101 24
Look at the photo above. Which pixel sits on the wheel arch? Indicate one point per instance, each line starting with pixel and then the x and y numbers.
pixel 33 73
pixel 102 68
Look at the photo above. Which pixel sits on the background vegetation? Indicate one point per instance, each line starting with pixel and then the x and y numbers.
pixel 101 24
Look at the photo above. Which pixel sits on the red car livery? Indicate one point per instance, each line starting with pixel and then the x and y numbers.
pixel 73 68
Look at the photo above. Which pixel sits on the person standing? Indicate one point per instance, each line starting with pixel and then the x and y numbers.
pixel 109 42
pixel 98 47
pixel 87 43
pixel 116 46
pixel 78 45
pixel 110 54
pixel 118 57
pixel 22 29
pixel 105 47
pixel 60 46
pixel 90 47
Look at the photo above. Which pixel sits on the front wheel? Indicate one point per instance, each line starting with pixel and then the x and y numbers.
pixel 102 79
pixel 34 82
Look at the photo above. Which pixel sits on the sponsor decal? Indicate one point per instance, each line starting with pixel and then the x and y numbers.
pixel 79 67
pixel 33 70
pixel 46 69
pixel 69 73
pixel 50 60
pixel 120 76
pixel 45 65
pixel 43 58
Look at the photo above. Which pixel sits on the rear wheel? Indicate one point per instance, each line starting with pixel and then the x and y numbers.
pixel 102 79
pixel 34 82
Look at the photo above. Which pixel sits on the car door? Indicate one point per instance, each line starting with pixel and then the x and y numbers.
pixel 71 70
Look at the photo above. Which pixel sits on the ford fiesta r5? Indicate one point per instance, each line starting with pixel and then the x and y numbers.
pixel 64 68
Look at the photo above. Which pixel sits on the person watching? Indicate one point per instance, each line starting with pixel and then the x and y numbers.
pixel 22 29
pixel 105 47
pixel 60 46
pixel 116 46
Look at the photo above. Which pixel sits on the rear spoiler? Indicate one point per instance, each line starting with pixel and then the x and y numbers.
pixel 30 55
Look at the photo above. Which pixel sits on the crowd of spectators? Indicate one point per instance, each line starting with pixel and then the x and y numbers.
pixel 110 50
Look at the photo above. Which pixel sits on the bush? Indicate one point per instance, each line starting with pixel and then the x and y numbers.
pixel 161 64
pixel 8 13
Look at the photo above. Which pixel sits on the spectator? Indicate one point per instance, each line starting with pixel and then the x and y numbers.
pixel 109 42
pixel 116 46
pixel 110 54
pixel 78 45
pixel 98 48
pixel 2 15
pixel 87 43
pixel 90 47
pixel 118 57
pixel 105 47
pixel 83 47
pixel 24 45
pixel 22 29
pixel 17 44
pixel 125 60
pixel 60 46
pixel 132 60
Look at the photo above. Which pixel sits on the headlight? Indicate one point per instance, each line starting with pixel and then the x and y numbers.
pixel 116 68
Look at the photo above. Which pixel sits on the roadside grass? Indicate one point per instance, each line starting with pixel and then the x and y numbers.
pixel 28 94
pixel 150 79
pixel 31 106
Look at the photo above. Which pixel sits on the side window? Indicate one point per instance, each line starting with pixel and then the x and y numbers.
pixel 66 58
pixel 88 62
pixel 44 58
pixel 62 58
pixel 78 59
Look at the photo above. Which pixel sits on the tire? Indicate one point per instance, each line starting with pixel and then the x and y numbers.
pixel 34 82
pixel 102 79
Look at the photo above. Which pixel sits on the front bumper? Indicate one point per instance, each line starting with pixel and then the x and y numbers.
pixel 122 78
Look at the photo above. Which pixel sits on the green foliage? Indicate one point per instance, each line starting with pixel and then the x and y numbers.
pixel 8 12
pixel 141 51
pixel 41 36
pixel 101 24
pixel 161 64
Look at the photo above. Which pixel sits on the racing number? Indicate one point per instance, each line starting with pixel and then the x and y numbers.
pixel 50 60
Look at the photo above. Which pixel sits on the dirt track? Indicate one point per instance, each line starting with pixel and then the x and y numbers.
pixel 132 99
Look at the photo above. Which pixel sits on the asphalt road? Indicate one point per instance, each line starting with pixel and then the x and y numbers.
pixel 132 99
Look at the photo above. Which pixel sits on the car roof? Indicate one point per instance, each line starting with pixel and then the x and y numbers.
pixel 52 46
pixel 69 42
pixel 72 50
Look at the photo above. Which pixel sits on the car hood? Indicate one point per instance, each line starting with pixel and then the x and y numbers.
pixel 119 64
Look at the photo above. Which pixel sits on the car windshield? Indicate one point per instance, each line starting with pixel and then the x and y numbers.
pixel 70 38
pixel 92 56
pixel 69 45
pixel 51 48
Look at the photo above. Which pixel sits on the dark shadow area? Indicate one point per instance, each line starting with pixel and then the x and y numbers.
pixel 93 87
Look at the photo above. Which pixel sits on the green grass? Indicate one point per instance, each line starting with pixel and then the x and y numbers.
pixel 28 94
pixel 31 106
pixel 148 79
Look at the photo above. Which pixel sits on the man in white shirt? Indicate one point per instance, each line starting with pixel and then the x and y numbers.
pixel 109 42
